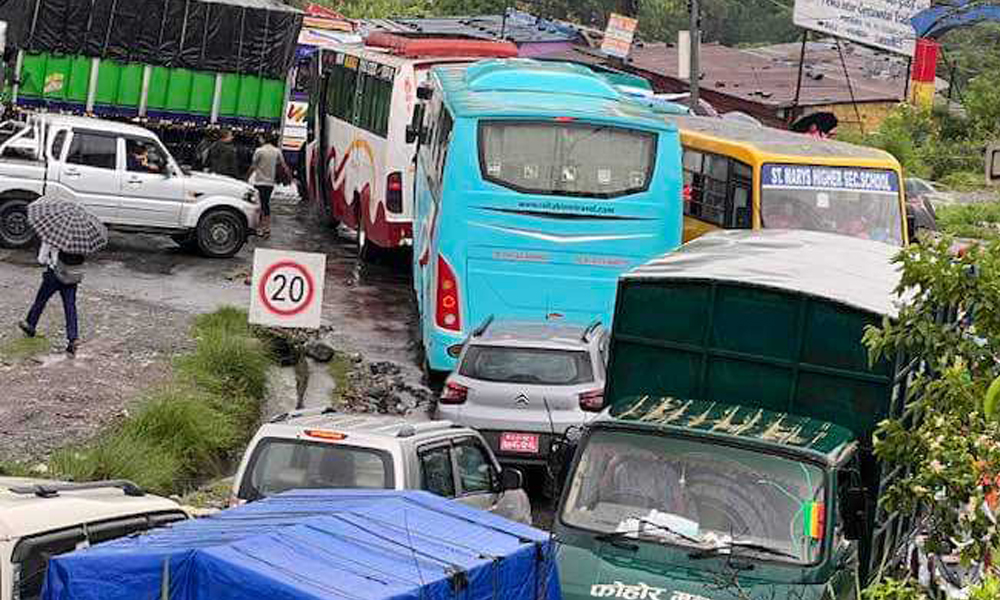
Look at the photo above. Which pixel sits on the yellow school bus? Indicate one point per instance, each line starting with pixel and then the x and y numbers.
pixel 744 176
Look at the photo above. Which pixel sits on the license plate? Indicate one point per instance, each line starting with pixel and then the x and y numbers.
pixel 519 442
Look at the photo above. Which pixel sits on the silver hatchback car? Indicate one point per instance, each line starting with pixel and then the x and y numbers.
pixel 520 383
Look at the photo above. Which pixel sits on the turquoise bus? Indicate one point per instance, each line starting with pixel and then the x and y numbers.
pixel 537 184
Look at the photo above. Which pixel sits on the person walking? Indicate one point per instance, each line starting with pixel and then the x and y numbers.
pixel 63 273
pixel 68 232
pixel 267 169
pixel 222 156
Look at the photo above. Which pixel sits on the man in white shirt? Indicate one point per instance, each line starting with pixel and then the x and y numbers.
pixel 264 174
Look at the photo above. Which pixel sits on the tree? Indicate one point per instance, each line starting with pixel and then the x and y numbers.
pixel 951 459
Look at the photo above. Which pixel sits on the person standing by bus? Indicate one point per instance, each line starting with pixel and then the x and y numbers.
pixel 266 170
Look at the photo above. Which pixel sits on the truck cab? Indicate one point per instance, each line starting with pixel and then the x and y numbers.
pixel 735 459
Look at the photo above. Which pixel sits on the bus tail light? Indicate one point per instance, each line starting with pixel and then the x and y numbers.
pixel 447 297
pixel 394 192
pixel 454 393
pixel 592 401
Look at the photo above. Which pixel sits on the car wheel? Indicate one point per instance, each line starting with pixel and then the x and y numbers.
pixel 221 234
pixel 15 232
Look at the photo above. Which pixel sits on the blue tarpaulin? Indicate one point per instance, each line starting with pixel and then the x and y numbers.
pixel 940 19
pixel 311 544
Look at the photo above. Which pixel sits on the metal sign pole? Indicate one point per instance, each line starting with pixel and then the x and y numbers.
pixel 695 75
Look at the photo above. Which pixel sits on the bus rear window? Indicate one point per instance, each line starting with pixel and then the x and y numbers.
pixel 566 158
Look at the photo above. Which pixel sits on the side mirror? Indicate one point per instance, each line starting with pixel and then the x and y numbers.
pixel 511 479
pixel 854 512
pixel 425 93
pixel 911 225
pixel 415 130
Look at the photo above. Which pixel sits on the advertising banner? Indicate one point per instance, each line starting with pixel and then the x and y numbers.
pixel 881 24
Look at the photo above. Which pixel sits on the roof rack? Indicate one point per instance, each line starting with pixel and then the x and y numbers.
pixel 478 331
pixel 294 414
pixel 51 490
pixel 412 429
pixel 589 330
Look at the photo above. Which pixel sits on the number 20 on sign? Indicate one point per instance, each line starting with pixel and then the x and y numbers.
pixel 287 288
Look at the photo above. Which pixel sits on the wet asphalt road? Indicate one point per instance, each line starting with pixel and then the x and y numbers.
pixel 368 306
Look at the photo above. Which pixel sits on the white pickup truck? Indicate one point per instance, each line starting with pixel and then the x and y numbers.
pixel 126 177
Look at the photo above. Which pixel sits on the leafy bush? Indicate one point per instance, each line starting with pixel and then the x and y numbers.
pixel 978 221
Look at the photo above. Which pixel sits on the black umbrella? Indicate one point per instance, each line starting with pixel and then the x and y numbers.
pixel 824 121
pixel 67 225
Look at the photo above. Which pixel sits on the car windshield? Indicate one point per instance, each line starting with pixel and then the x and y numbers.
pixel 281 465
pixel 708 495
pixel 527 365
pixel 857 202
pixel 566 158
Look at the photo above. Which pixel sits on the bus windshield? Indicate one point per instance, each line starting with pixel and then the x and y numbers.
pixel 703 496
pixel 851 201
pixel 566 158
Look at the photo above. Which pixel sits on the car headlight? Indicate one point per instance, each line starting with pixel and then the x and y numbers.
pixel 252 196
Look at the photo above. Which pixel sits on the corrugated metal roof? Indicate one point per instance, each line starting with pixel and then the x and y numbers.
pixel 520 27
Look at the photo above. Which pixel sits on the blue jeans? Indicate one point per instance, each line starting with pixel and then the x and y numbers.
pixel 51 285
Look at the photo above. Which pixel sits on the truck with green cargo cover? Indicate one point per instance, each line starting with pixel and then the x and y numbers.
pixel 735 460
pixel 181 68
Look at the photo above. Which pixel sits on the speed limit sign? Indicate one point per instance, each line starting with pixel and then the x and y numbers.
pixel 287 288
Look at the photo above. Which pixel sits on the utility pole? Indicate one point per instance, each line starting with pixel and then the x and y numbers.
pixel 695 76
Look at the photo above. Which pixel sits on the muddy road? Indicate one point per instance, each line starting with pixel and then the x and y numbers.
pixel 136 306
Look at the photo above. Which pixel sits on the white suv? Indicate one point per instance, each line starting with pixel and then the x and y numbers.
pixel 320 448
pixel 124 175
pixel 40 518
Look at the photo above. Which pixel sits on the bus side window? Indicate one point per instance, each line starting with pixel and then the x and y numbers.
pixel 692 182
pixel 443 136
pixel 741 196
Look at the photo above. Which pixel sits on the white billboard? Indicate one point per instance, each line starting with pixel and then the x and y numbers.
pixel 881 24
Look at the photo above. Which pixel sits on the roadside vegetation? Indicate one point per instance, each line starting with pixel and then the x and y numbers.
pixel 188 430
pixel 951 458
pixel 976 221
pixel 23 348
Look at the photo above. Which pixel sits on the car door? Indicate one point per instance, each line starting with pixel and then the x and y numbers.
pixel 477 475
pixel 90 173
pixel 151 193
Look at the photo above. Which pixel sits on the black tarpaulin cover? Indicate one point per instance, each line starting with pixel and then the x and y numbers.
pixel 243 36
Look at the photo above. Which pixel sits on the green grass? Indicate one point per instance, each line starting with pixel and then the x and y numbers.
pixel 186 431
pixel 340 367
pixel 964 181
pixel 977 221
pixel 23 348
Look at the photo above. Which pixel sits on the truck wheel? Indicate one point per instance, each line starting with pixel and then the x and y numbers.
pixel 14 229
pixel 221 234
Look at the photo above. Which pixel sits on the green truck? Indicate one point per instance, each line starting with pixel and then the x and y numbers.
pixel 734 460
pixel 179 67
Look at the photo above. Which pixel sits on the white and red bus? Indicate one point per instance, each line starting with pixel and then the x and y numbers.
pixel 359 166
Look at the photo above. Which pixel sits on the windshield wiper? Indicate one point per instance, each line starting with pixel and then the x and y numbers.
pixel 612 536
pixel 753 547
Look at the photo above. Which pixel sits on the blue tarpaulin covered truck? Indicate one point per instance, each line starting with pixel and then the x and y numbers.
pixel 313 544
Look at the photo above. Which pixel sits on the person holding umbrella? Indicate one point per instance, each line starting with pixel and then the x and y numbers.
pixel 68 232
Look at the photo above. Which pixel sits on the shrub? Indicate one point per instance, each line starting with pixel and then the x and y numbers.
pixel 978 221
pixel 228 364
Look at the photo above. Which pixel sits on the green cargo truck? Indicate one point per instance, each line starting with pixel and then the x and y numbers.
pixel 179 67
pixel 735 458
